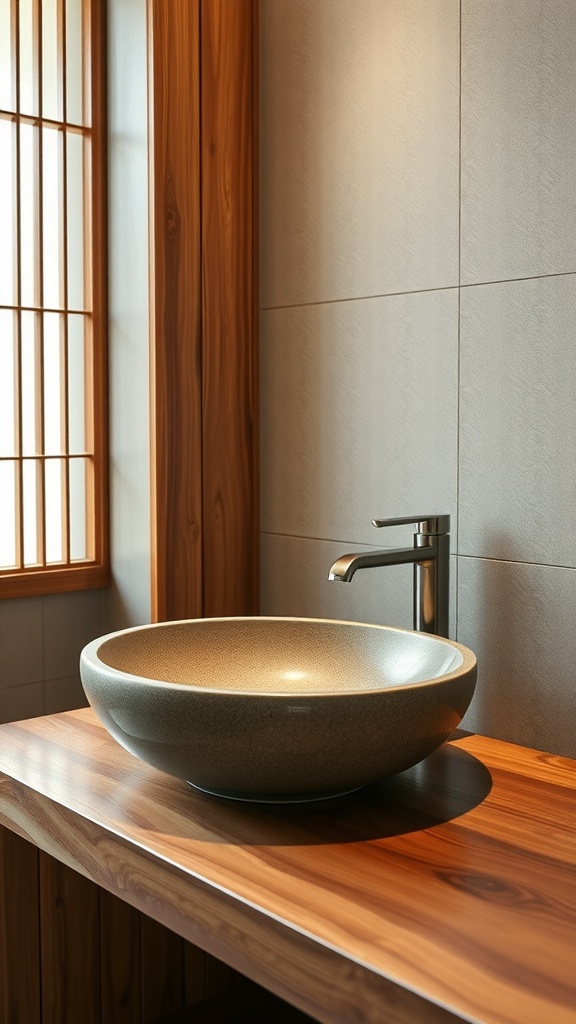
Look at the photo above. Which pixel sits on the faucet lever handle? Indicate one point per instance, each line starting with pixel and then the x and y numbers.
pixel 428 526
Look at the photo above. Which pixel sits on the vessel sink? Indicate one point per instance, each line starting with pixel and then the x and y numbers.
pixel 277 709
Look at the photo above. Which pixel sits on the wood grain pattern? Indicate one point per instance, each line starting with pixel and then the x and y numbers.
pixel 19 941
pixel 120 957
pixel 71 950
pixel 98 265
pixel 69 936
pixel 163 971
pixel 176 364
pixel 204 297
pixel 448 893
pixel 229 293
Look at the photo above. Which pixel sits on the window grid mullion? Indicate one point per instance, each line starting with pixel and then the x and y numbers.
pixel 39 319
pixel 66 439
pixel 62 59
pixel 19 511
pixel 40 436
pixel 15 44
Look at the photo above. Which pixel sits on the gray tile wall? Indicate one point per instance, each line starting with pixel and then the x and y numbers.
pixel 419 324
pixel 40 643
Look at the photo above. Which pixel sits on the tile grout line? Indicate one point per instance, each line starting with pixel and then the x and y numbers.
pixel 458 286
pixel 453 554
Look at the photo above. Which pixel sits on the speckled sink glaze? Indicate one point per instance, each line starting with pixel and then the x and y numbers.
pixel 278 709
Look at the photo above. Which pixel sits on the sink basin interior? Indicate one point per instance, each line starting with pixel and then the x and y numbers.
pixel 280 656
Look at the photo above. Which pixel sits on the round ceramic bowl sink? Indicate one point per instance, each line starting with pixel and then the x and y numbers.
pixel 277 709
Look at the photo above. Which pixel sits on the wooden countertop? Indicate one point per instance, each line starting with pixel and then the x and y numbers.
pixel 447 893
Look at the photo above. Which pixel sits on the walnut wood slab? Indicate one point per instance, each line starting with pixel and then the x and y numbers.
pixel 447 893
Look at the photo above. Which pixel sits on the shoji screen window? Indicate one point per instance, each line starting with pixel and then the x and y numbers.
pixel 53 505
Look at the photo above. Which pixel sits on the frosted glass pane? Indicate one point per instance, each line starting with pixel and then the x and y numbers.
pixel 28 60
pixel 8 410
pixel 78 542
pixel 6 63
pixel 52 218
pixel 74 70
pixel 30 397
pixel 75 200
pixel 54 426
pixel 53 483
pixel 51 66
pixel 7 207
pixel 76 386
pixel 28 205
pixel 30 512
pixel 8 507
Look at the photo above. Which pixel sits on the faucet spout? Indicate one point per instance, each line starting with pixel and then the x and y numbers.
pixel 431 559
pixel 344 567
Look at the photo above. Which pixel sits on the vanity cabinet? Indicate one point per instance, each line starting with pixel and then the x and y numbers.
pixel 447 893
pixel 70 951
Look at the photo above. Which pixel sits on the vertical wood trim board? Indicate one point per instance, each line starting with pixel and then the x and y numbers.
pixel 204 297
pixel 174 102
pixel 98 263
pixel 229 352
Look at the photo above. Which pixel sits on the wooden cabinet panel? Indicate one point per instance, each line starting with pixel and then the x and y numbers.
pixel 70 945
pixel 19 938
pixel 71 951
pixel 162 971
pixel 121 961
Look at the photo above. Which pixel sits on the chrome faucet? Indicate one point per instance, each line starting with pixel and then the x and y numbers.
pixel 431 558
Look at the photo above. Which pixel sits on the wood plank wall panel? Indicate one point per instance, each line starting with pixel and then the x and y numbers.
pixel 194 974
pixel 204 296
pixel 229 287
pixel 71 951
pixel 163 989
pixel 176 308
pixel 121 961
pixel 70 945
pixel 19 938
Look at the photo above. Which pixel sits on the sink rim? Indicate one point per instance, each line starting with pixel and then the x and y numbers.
pixel 90 657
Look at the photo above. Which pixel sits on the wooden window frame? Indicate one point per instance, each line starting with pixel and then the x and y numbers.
pixel 93 571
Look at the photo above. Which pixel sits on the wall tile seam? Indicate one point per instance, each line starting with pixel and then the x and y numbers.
pixel 515 561
pixel 342 544
pixel 62 679
pixel 453 554
pixel 488 282
pixel 43 638
pixel 27 702
pixel 19 687
pixel 359 298
pixel 517 280
pixel 323 540
pixel 35 681
pixel 13 687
